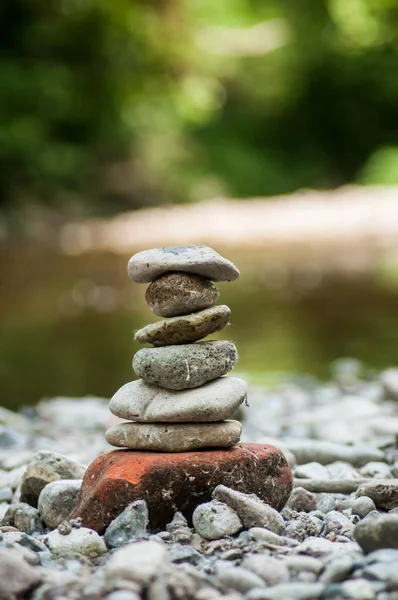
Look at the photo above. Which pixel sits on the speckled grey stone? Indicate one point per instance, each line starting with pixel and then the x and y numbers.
pixel 138 562
pixel 362 506
pixel 132 522
pixel 186 366
pixel 24 517
pixel 179 294
pixel 214 520
pixel 78 541
pixel 58 500
pixel 215 401
pixel 384 492
pixel 146 266
pixel 303 526
pixel 337 523
pixel 272 570
pixel 380 531
pixel 301 500
pixel 174 437
pixel 185 329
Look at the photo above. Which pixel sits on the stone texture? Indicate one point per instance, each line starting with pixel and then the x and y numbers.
pixel 138 562
pixel 174 437
pixel 179 294
pixel 302 500
pixel 79 541
pixel 214 520
pixel 17 577
pixel 252 511
pixel 57 501
pixel 186 366
pixel 43 468
pixel 132 522
pixel 383 492
pixel 379 531
pixel 146 266
pixel 214 401
pixel 181 481
pixel 185 329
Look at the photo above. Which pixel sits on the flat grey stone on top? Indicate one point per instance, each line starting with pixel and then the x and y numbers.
pixel 179 293
pixel 185 366
pixel 174 437
pixel 185 329
pixel 146 266
pixel 214 401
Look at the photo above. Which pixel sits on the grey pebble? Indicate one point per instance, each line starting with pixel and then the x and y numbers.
pixel 380 531
pixel 325 452
pixel 27 519
pixel 80 541
pixel 272 570
pixel 297 563
pixel 214 520
pixel 362 506
pixel 6 494
pixel 378 469
pixel 130 523
pixel 384 492
pixel 326 502
pixel 338 569
pixel 138 562
pixel 16 575
pixel 58 500
pixel 337 523
pixel 303 526
pixel 302 500
pixel 260 534
pixel 311 470
pixel 237 578
pixel 288 591
pixel 382 571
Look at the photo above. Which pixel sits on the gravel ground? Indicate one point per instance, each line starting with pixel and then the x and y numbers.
pixel 336 538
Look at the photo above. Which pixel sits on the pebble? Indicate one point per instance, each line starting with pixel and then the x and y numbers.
pixel 289 591
pixel 58 500
pixel 180 294
pixel 260 534
pixel 302 500
pixel 312 470
pixel 79 541
pixel 146 266
pixel 174 437
pixel 43 468
pixel 362 506
pixel 17 577
pixel 185 366
pixel 383 571
pixel 326 502
pixel 139 562
pixel 376 469
pixel 298 563
pixel 303 526
pixel 338 524
pixel 384 493
pixel 358 589
pixel 380 531
pixel 132 522
pixel 338 569
pixel 215 520
pixel 27 519
pixel 237 578
pixel 252 511
pixel 325 452
pixel 272 570
pixel 214 401
pixel 320 547
pixel 185 329
pixel 6 494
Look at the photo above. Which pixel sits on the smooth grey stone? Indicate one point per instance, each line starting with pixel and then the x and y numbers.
pixel 301 500
pixel 260 534
pixel 383 492
pixel 311 470
pixel 382 571
pixel 338 569
pixel 237 578
pixel 146 266
pixel 295 564
pixel 272 570
pixel 337 523
pixel 138 562
pixel 132 522
pixel 321 547
pixel 252 511
pixel 302 527
pixel 27 519
pixel 376 469
pixel 79 541
pixel 174 437
pixel 214 520
pixel 43 468
pixel 17 577
pixel 185 329
pixel 342 470
pixel 58 500
pixel 183 553
pixel 383 555
pixel 362 506
pixel 288 591
pixel 389 382
pixel 324 452
pixel 180 294
pixel 186 366
pixel 214 401
pixel 377 532
pixel 326 502
pixel 358 589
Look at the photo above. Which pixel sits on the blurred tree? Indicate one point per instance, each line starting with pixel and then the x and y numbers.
pixel 120 104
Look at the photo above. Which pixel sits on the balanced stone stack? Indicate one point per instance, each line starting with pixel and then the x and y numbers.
pixel 183 400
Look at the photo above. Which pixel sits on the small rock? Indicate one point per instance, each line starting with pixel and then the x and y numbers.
pixel 132 522
pixel 6 494
pixel 178 529
pixel 180 294
pixel 311 470
pixel 185 329
pixel 78 541
pixel 324 452
pixel 338 524
pixel 383 492
pixel 237 578
pixel 321 547
pixel 214 401
pixel 251 510
pixel 58 500
pixel 338 569
pixel 358 589
pixel 342 470
pixel 362 506
pixel 380 531
pixel 259 534
pixel 383 571
pixel 376 469
pixel 182 553
pixel 139 562
pixel 43 468
pixel 170 482
pixel 326 502
pixel 298 563
pixel 27 519
pixel 214 520
pixel 17 577
pixel 302 527
pixel 272 570
pixel 146 266
pixel 302 500
pixel 291 591
pixel 174 437
pixel 185 366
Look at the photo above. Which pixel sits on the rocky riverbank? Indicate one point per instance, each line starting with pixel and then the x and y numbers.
pixel 337 537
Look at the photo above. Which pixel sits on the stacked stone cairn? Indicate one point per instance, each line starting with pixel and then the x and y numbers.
pixel 182 401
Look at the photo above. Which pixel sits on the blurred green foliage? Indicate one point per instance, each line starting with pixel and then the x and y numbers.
pixel 127 103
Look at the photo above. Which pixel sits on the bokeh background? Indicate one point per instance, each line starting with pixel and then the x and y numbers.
pixel 126 125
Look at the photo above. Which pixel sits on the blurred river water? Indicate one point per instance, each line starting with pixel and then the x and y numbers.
pixel 67 322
